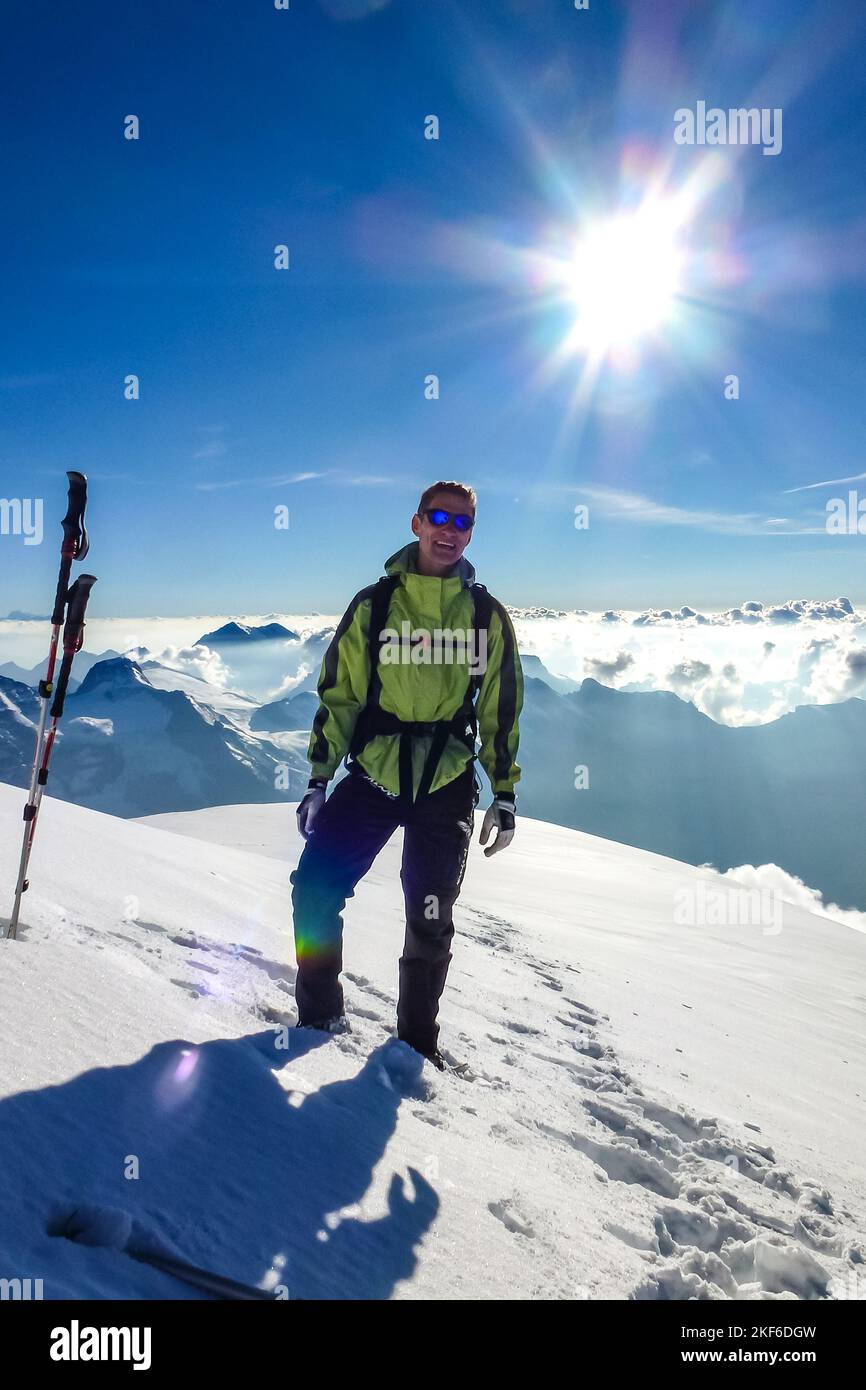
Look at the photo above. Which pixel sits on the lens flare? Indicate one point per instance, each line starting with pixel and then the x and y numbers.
pixel 625 278
pixel 179 1080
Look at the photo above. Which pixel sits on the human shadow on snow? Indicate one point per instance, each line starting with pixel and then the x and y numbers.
pixel 237 1172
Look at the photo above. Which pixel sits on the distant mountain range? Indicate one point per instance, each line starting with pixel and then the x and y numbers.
pixel 83 663
pixel 295 712
pixel 239 632
pixel 663 776
pixel 532 666
pixel 140 739
pixel 132 749
pixel 19 713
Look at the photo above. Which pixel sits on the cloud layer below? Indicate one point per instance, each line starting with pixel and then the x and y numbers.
pixel 744 665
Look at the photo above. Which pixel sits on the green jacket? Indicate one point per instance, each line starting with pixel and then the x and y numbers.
pixel 420 692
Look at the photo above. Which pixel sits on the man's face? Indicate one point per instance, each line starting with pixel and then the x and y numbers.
pixel 440 547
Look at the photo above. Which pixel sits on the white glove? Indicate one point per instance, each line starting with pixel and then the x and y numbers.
pixel 310 807
pixel 500 815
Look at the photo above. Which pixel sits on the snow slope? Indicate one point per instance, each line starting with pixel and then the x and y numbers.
pixel 229 703
pixel 653 1110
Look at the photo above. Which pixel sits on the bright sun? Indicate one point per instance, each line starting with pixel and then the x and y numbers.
pixel 624 279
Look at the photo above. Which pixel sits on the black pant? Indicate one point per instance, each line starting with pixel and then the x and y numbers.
pixel 357 820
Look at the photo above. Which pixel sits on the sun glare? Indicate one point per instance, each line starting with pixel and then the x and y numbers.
pixel 624 279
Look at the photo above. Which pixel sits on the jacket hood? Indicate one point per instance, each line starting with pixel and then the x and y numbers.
pixel 405 561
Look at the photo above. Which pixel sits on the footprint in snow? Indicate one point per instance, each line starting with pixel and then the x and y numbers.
pixel 363 983
pixel 372 1014
pixel 189 942
pixel 511 1218
pixel 275 1016
pixel 622 1162
pixel 189 987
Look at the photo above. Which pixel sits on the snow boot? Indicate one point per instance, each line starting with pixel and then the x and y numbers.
pixel 338 1024
pixel 442 1061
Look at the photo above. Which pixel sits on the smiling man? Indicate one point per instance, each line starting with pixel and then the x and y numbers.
pixel 408 730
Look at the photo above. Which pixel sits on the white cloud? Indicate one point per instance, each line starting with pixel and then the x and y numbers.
pixel 195 661
pixel 214 449
pixel 608 669
pixel 835 670
pixel 271 480
pixel 631 506
pixel 793 890
pixel 726 663
pixel 739 666
pixel 831 482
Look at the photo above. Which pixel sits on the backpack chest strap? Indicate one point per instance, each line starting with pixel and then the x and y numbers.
pixel 373 720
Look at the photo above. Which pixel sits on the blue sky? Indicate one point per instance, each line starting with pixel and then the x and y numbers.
pixel 409 257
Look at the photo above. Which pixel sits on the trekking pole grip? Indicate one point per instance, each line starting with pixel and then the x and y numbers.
pixel 75 541
pixel 73 635
pixel 74 531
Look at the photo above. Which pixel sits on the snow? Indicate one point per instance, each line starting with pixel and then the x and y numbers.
pixel 652 1110
pixel 228 703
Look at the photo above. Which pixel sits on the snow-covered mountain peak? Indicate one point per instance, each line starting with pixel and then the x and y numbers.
pixel 116 675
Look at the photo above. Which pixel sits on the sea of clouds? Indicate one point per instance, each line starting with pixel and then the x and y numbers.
pixel 744 665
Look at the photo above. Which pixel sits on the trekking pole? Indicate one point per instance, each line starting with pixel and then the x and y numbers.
pixel 70 604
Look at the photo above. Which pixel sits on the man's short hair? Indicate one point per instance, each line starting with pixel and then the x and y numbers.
pixel 462 490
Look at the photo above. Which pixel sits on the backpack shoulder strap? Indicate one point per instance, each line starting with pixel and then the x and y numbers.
pixel 481 623
pixel 483 605
pixel 381 602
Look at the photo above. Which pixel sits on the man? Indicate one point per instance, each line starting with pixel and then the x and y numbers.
pixel 407 726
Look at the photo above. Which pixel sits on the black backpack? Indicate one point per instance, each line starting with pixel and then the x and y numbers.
pixel 373 720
